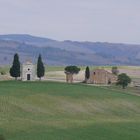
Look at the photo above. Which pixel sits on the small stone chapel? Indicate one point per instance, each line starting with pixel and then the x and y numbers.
pixel 28 71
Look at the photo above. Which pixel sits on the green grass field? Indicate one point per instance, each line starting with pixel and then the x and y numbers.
pixel 59 111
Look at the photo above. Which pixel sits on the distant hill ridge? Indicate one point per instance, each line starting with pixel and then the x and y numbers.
pixel 67 52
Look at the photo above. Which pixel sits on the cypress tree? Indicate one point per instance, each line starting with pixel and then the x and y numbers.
pixel 87 73
pixel 40 68
pixel 15 69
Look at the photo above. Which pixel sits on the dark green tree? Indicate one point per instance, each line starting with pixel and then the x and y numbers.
pixel 115 70
pixel 15 69
pixel 123 80
pixel 40 68
pixel 87 73
pixel 71 70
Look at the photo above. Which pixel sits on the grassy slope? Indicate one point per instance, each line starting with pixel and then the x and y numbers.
pixel 57 111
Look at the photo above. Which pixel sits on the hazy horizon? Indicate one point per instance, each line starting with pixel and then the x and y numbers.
pixel 113 21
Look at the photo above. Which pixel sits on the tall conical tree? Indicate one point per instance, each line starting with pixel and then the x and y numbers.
pixel 40 68
pixel 15 69
pixel 87 73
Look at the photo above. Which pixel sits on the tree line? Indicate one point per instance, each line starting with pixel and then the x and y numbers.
pixel 15 70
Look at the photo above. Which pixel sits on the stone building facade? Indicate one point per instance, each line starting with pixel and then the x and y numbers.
pixel 28 72
pixel 101 76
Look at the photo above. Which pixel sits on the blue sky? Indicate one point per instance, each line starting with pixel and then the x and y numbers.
pixel 82 20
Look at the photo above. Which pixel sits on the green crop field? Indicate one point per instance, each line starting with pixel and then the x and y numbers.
pixel 59 111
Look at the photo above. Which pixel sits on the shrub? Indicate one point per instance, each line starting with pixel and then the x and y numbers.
pixel 2 72
pixel 115 70
pixel 123 80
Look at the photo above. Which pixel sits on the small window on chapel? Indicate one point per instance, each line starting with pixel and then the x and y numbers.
pixel 28 69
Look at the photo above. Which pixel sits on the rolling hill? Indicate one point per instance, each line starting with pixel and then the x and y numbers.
pixel 67 52
pixel 59 111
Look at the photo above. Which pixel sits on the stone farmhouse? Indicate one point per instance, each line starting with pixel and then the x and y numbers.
pixel 28 71
pixel 101 76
